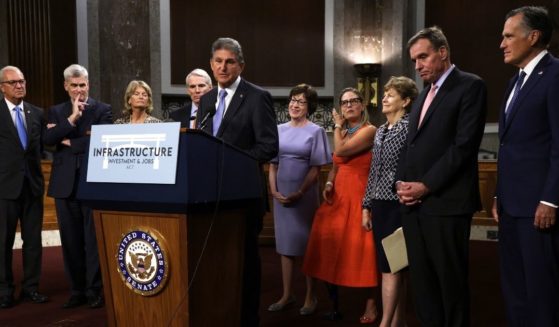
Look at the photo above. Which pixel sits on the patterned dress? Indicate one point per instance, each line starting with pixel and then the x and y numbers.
pixel 300 148
pixel 126 120
pixel 340 251
pixel 380 196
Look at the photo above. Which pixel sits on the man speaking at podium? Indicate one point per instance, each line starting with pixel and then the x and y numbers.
pixel 245 118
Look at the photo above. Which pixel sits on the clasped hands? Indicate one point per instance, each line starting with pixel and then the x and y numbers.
pixel 410 193
pixel 289 199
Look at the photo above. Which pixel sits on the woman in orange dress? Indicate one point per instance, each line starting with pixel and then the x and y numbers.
pixel 340 251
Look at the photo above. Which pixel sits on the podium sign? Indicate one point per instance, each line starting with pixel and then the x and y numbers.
pixel 134 153
pixel 173 254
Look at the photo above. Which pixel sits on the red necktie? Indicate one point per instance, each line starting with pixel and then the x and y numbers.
pixel 427 103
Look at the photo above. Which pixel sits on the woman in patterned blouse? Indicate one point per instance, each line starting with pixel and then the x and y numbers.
pixel 138 104
pixel 381 201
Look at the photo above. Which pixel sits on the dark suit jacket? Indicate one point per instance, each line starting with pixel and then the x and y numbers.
pixel 16 161
pixel 182 115
pixel 528 165
pixel 66 160
pixel 443 152
pixel 249 122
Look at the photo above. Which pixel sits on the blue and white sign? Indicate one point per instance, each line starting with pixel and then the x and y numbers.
pixel 134 153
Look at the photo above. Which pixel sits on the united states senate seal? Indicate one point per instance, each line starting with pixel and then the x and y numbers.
pixel 142 262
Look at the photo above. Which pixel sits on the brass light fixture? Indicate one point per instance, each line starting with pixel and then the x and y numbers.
pixel 368 79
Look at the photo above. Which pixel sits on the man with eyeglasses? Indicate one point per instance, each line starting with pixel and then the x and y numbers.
pixel 68 124
pixel 21 187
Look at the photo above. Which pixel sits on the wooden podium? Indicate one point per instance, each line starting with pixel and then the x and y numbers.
pixel 194 229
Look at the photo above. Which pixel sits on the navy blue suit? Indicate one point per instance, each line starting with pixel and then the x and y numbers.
pixel 528 172
pixel 250 124
pixel 21 196
pixel 182 115
pixel 77 231
pixel 442 154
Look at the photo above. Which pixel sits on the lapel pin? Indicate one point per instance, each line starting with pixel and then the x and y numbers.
pixel 241 95
pixel 540 72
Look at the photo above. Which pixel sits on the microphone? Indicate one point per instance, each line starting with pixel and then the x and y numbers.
pixel 209 114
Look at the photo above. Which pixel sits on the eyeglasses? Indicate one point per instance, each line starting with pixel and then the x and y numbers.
pixel 346 103
pixel 14 83
pixel 299 102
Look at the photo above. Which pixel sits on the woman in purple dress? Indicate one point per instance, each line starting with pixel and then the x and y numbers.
pixel 303 148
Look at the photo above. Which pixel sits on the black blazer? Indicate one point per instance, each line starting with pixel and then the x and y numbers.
pixel 182 115
pixel 249 122
pixel 67 160
pixel 15 161
pixel 443 152
pixel 528 165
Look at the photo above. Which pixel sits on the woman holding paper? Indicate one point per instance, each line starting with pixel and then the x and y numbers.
pixel 138 104
pixel 381 201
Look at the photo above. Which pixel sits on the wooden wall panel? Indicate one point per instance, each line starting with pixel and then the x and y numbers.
pixel 283 41
pixel 29 46
pixel 473 29
pixel 42 42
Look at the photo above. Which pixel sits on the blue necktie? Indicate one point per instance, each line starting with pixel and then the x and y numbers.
pixel 517 87
pixel 219 112
pixel 20 126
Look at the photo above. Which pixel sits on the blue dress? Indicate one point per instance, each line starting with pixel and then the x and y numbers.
pixel 300 148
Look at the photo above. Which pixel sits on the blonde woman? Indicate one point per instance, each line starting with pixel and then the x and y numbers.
pixel 138 104
pixel 339 250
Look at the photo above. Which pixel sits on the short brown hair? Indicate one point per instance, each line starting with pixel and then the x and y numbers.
pixel 434 34
pixel 310 95
pixel 404 86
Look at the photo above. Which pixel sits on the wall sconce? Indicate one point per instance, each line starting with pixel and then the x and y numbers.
pixel 368 76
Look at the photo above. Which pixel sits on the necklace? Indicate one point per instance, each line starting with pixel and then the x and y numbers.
pixel 352 130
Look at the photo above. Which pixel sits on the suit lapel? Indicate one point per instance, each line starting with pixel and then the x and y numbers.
pixel 6 118
pixel 503 106
pixel 234 106
pixel 415 113
pixel 448 84
pixel 532 81
pixel 66 110
pixel 88 116
pixel 28 120
pixel 212 96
